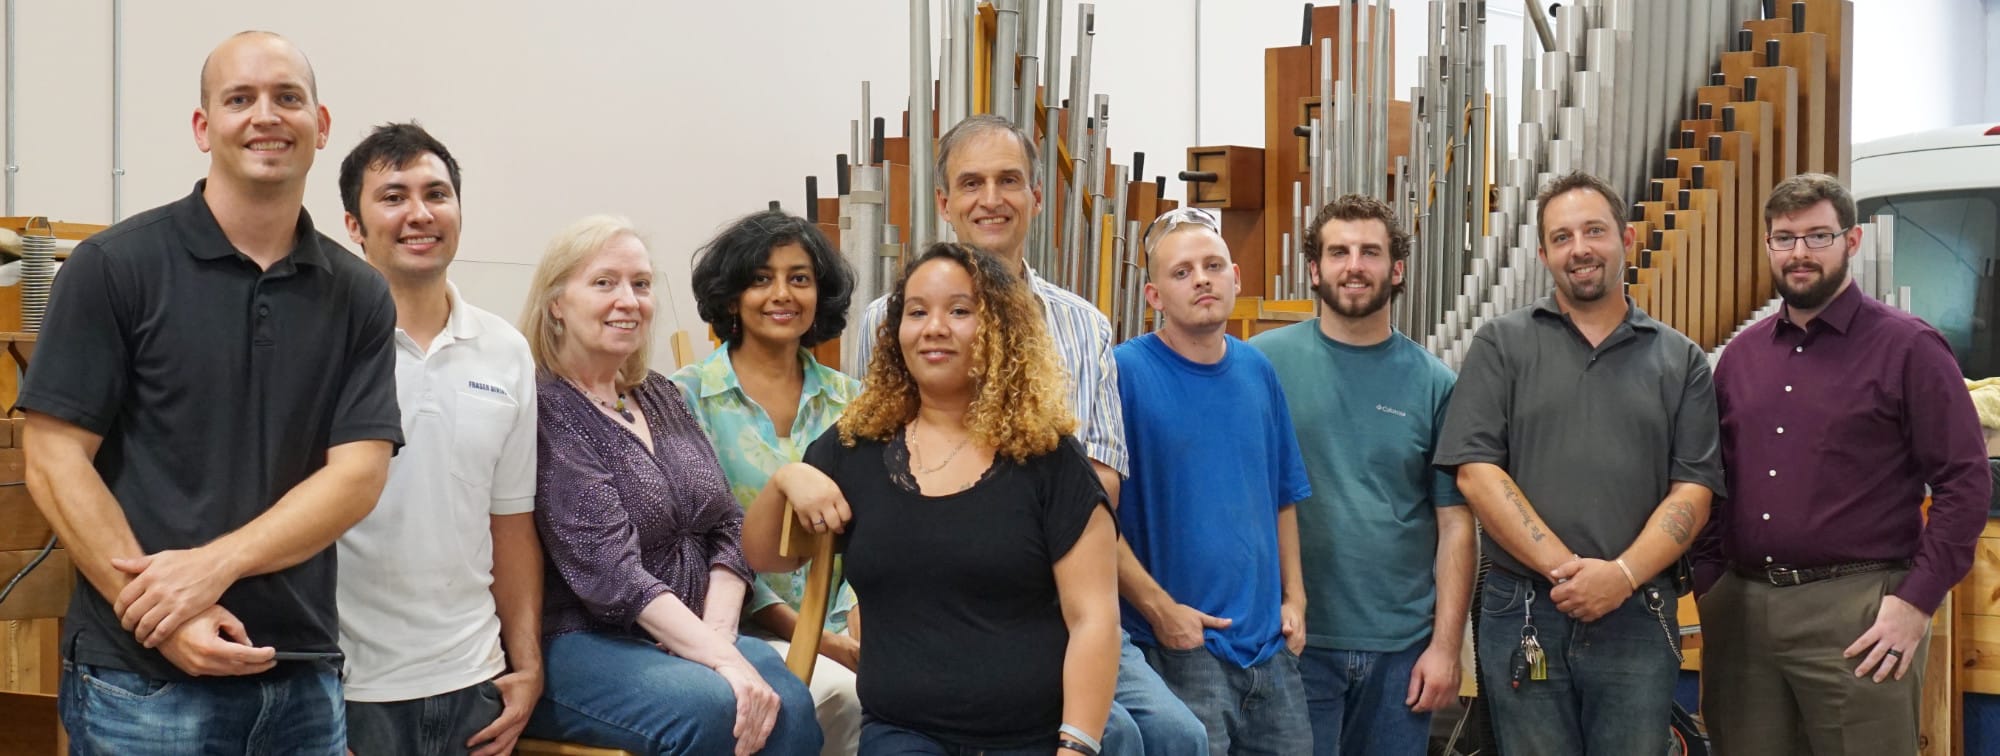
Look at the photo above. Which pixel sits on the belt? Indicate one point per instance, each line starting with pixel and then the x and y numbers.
pixel 1780 575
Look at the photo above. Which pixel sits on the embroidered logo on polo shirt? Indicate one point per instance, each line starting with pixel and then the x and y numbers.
pixel 486 387
pixel 1391 410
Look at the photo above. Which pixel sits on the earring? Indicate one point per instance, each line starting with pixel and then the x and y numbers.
pixel 559 327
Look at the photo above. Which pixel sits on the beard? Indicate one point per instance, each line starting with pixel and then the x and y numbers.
pixel 1814 295
pixel 1329 295
pixel 1588 292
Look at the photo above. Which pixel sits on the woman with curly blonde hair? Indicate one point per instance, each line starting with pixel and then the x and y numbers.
pixel 975 530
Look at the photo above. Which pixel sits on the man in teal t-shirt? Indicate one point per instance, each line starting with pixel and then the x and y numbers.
pixel 1213 594
pixel 1386 541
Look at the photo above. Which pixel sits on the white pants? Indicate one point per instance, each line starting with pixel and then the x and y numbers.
pixel 835 703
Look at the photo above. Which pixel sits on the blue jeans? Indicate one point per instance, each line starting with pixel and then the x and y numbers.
pixel 1259 710
pixel 879 738
pixel 428 726
pixel 1146 718
pixel 294 709
pixel 1356 700
pixel 1610 685
pixel 622 692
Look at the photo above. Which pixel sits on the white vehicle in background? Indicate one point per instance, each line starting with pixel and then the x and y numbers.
pixel 1943 187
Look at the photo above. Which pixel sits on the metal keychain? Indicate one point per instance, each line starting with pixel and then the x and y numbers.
pixel 1655 604
pixel 1531 644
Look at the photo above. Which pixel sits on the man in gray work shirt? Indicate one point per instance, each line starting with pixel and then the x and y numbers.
pixel 1583 434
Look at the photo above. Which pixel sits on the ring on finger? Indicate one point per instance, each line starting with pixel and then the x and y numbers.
pixel 1895 653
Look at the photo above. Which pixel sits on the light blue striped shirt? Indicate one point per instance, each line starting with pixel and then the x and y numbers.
pixel 1082 337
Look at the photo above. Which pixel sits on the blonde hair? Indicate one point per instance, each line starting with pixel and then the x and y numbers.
pixel 1986 399
pixel 1019 404
pixel 566 253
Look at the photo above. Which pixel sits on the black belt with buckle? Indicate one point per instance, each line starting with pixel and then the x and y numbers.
pixel 1780 575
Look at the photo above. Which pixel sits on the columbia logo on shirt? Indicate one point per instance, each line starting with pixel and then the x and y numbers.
pixel 486 387
pixel 1391 410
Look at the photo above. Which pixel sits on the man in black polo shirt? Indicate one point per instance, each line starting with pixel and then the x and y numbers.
pixel 1583 434
pixel 212 402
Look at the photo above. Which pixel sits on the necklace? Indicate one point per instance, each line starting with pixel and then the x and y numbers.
pixel 918 463
pixel 619 407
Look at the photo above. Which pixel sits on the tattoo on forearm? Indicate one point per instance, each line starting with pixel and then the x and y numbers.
pixel 1521 505
pixel 1679 521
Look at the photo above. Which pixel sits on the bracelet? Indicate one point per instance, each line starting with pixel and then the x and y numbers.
pixel 1079 747
pixel 1628 572
pixel 1084 743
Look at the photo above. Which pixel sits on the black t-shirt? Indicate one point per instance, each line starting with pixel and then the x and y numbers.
pixel 965 635
pixel 217 387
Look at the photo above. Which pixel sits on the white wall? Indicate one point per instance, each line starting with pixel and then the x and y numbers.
pixel 681 115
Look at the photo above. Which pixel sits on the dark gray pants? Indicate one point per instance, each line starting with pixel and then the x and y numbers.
pixel 440 724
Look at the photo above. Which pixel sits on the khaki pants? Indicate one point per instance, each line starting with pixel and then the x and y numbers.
pixel 1773 681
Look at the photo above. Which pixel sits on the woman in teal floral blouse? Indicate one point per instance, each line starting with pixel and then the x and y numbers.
pixel 772 286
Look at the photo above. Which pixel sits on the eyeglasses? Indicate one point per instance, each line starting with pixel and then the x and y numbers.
pixel 1816 240
pixel 1179 216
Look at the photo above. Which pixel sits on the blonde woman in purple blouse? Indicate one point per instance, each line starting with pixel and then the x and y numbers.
pixel 646 576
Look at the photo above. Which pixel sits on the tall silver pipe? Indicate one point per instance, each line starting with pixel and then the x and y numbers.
pixel 1052 56
pixel 1024 105
pixel 947 68
pixel 864 145
pixel 923 210
pixel 1382 68
pixel 1051 178
pixel 1092 253
pixel 1500 115
pixel 1079 139
pixel 1006 39
pixel 1324 148
pixel 1121 243
pixel 966 39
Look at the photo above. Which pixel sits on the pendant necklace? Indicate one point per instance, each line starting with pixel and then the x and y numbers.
pixel 619 407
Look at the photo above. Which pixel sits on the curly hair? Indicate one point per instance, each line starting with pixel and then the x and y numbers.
pixel 725 266
pixel 1019 387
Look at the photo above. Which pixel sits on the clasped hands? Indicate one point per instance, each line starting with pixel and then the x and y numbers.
pixel 1587 589
pixel 170 605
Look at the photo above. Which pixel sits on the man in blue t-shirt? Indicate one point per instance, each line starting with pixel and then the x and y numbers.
pixel 1385 539
pixel 1212 592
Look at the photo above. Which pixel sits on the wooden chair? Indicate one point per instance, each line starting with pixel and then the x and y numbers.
pixel 819 591
pixel 530 747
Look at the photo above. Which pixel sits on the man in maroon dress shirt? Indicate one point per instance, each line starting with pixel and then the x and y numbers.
pixel 1820 572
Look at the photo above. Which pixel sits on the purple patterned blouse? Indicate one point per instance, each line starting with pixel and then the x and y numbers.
pixel 620 525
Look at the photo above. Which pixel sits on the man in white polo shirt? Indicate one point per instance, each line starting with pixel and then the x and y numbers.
pixel 440 587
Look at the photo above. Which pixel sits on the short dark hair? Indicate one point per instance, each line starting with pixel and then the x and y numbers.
pixel 1358 207
pixel 724 266
pixel 1805 190
pixel 1570 182
pixel 984 123
pixel 390 146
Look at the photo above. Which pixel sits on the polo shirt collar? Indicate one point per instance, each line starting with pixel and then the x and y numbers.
pixel 207 242
pixel 1634 317
pixel 1838 315
pixel 460 323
